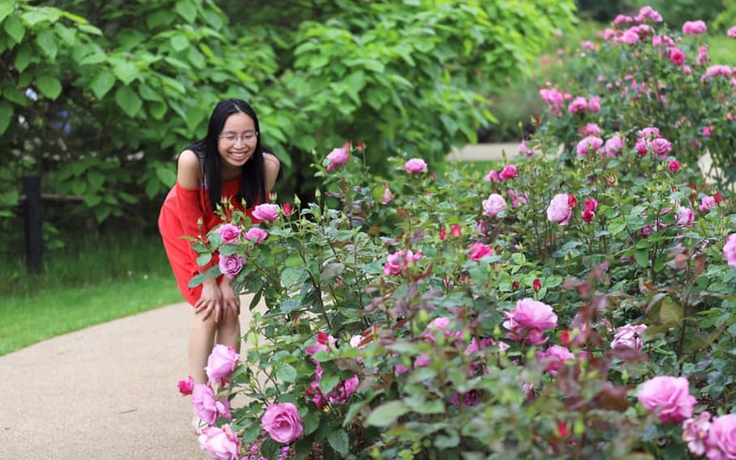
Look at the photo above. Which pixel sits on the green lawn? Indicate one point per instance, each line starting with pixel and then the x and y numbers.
pixel 86 283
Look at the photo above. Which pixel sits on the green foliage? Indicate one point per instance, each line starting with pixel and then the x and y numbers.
pixel 726 18
pixel 122 86
pixel 336 313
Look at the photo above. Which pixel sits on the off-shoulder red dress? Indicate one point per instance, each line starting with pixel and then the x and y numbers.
pixel 179 216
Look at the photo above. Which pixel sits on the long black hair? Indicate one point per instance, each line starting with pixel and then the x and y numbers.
pixel 253 183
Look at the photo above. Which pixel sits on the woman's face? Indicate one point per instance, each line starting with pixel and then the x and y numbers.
pixel 237 141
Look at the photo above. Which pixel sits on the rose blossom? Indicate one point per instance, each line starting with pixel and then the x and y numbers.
pixel 590 129
pixel 685 216
pixel 221 363
pixel 387 196
pixel 554 358
pixel 707 203
pixel 415 166
pixel 594 104
pixel 729 250
pixel 695 432
pixel 694 27
pixel 528 320
pixel 708 130
pixel 589 146
pixel 343 390
pixel 479 250
pixel 399 261
pixel 282 422
pixel 337 157
pixel 677 56
pixel 614 146
pixel 669 396
pixel 492 176
pixel 231 265
pixel 628 337
pixel 674 166
pixel 559 209
pixel 229 232
pixel 494 205
pixel 220 443
pixel 186 386
pixel 268 212
pixel 206 405
pixel 578 105
pixel 731 32
pixel 721 442
pixel 256 233
pixel 508 172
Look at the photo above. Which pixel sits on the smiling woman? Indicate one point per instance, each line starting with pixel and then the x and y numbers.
pixel 228 164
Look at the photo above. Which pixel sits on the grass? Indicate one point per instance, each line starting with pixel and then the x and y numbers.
pixel 88 282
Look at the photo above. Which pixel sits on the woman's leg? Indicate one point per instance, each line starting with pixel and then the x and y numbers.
pixel 228 330
pixel 201 341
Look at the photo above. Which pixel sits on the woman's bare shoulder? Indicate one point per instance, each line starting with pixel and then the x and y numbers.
pixel 188 172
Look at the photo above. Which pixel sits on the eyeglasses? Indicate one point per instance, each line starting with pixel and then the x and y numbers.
pixel 233 138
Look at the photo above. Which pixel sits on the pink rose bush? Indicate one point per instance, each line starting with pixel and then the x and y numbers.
pixel 231 265
pixel 266 212
pixel 695 433
pixel 220 443
pixel 415 166
pixel 207 406
pixel 337 157
pixel 628 337
pixel 221 363
pixel 399 261
pixel 479 250
pixel 721 442
pixel 494 205
pixel 282 422
pixel 560 208
pixel 729 250
pixel 668 397
pixel 529 320
pixel 229 233
pixel 256 234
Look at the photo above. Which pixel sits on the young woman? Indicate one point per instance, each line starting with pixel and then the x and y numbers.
pixel 228 164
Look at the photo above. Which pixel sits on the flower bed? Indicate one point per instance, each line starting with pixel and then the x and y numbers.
pixel 580 308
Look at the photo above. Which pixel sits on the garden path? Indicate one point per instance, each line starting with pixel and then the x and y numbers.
pixel 109 391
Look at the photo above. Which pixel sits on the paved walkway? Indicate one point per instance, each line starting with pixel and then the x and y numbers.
pixel 109 391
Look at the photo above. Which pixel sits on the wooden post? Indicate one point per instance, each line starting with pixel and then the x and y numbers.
pixel 34 235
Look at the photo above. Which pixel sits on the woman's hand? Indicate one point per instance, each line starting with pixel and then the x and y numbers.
pixel 230 300
pixel 210 301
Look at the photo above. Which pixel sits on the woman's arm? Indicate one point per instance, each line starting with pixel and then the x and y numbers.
pixel 272 166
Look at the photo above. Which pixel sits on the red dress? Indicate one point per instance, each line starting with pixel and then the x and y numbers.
pixel 179 215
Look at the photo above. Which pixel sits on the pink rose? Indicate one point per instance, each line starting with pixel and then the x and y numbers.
pixel 677 56
pixel 669 397
pixel 708 130
pixel 554 358
pixel 492 176
pixel 206 405
pixel 186 386
pixel 508 172
pixel 594 104
pixel 220 443
pixel 343 391
pixel 399 261
pixel 231 265
pixel 716 70
pixel 337 157
pixel 229 232
pixel 674 166
pixel 731 32
pixel 516 198
pixel 630 37
pixel 578 105
pixel 415 166
pixel 257 234
pixel 524 150
pixel 694 27
pixel 479 250
pixel 268 212
pixel 528 320
pixel 685 216
pixel 729 250
pixel 494 205
pixel 387 196
pixel 589 146
pixel 707 203
pixel 221 363
pixel 614 146
pixel 559 209
pixel 721 442
pixel 590 129
pixel 628 337
pixel 282 422
pixel 695 433
pixel 648 13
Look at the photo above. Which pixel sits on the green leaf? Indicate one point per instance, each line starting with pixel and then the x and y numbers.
pixel 166 174
pixel 128 100
pixel 670 313
pixel 386 414
pixel 289 305
pixel 47 43
pixel 195 116
pixel 186 10
pixel 90 29
pixel 24 57
pixel 204 259
pixel 293 276
pixel 158 110
pixel 49 86
pixel 102 83
pixel 14 27
pixel 642 257
pixel 5 9
pixel 95 179
pixel 339 441
pixel 328 382
pixel 6 114
pixel 286 373
pixel 126 72
pixel 179 42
